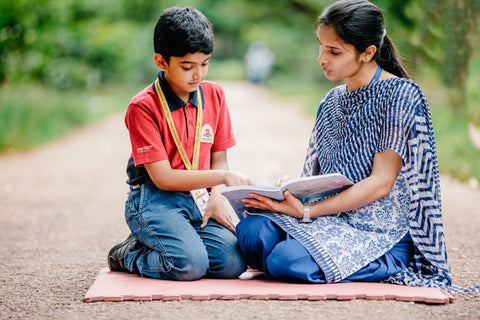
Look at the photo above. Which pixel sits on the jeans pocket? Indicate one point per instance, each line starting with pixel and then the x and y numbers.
pixel 135 199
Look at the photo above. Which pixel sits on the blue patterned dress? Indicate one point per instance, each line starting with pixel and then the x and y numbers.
pixel 350 128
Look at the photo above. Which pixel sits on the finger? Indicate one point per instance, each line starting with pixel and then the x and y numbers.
pixel 291 199
pixel 250 182
pixel 230 227
pixel 287 194
pixel 282 180
pixel 262 206
pixel 254 204
pixel 205 219
pixel 259 197
pixel 227 223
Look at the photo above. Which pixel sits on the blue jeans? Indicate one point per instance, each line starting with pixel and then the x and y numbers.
pixel 174 245
pixel 269 248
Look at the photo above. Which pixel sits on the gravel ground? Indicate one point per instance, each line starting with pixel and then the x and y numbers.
pixel 62 209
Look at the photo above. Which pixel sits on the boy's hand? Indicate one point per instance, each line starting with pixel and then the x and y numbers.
pixel 237 179
pixel 219 209
pixel 281 180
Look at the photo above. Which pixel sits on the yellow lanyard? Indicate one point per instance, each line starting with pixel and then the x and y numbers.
pixel 173 129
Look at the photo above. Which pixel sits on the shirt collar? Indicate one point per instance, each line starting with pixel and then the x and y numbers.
pixel 174 102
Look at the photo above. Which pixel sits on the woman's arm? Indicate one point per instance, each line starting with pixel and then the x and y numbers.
pixel 386 166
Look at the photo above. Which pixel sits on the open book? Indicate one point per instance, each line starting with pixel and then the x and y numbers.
pixel 307 189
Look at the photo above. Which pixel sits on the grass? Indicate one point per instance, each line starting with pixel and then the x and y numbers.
pixel 456 152
pixel 31 115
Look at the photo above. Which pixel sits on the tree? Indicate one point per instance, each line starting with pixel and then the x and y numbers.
pixel 461 21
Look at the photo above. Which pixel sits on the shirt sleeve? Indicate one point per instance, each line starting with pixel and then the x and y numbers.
pixel 145 135
pixel 224 136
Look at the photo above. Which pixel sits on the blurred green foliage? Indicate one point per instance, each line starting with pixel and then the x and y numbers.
pixel 69 44
pixel 32 114
pixel 57 54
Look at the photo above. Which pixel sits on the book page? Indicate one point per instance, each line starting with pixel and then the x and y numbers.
pixel 314 185
pixel 240 192
pixel 306 189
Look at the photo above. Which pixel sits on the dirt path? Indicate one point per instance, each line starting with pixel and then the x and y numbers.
pixel 62 209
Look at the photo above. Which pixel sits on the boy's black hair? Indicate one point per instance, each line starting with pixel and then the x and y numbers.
pixel 182 30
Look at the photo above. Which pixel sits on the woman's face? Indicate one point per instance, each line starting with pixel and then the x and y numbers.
pixel 339 60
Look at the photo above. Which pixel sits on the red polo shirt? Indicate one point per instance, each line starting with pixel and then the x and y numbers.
pixel 150 136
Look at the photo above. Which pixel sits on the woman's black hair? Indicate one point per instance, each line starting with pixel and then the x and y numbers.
pixel 182 30
pixel 361 24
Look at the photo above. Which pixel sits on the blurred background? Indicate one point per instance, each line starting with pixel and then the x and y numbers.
pixel 65 63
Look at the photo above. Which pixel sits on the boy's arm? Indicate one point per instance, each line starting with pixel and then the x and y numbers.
pixel 168 179
pixel 219 161
pixel 218 207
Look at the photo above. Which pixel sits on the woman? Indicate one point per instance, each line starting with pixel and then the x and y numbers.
pixel 376 130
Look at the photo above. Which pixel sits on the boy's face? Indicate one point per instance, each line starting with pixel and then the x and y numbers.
pixel 184 74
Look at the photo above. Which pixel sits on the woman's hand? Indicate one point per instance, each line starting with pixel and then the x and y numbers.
pixel 291 206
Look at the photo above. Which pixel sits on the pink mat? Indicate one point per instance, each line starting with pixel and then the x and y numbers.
pixel 119 286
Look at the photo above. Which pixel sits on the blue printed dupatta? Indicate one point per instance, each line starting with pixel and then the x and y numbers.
pixel 350 127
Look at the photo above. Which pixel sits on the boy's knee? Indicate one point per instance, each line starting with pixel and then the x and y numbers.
pixel 185 267
pixel 231 266
pixel 190 267
pixel 226 259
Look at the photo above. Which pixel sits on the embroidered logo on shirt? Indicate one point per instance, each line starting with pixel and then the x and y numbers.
pixel 144 149
pixel 207 134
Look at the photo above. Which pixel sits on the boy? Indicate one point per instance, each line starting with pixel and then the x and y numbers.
pixel 179 131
